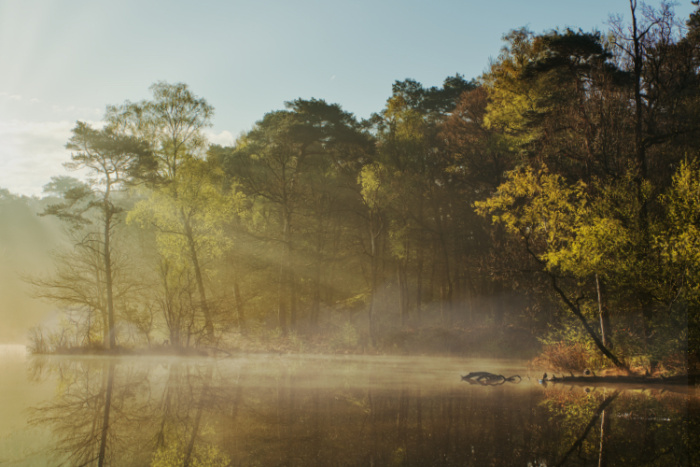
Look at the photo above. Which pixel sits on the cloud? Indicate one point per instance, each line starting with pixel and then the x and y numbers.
pixel 15 104
pixel 222 138
pixel 31 153
pixel 11 97
pixel 78 112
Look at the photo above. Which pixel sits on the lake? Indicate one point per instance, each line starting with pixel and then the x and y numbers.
pixel 289 410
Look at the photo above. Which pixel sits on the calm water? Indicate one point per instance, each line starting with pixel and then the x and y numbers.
pixel 327 411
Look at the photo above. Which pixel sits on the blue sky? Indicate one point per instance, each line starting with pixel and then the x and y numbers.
pixel 66 60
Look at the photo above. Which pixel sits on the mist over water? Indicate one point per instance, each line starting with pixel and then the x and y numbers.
pixel 12 350
pixel 317 410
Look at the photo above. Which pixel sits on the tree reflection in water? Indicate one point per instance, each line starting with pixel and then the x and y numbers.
pixel 220 413
pixel 599 412
pixel 614 427
pixel 96 412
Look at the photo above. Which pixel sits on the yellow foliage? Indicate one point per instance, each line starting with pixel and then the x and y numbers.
pixel 192 205
pixel 576 233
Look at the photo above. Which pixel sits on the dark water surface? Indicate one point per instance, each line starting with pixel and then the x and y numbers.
pixel 327 411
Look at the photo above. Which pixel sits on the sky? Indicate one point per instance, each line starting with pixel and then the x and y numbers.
pixel 66 60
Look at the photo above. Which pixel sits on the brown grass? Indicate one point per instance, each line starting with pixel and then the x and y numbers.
pixel 563 357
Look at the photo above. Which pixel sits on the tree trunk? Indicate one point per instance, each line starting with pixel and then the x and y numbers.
pixel 318 269
pixel 208 324
pixel 604 435
pixel 402 283
pixel 198 418
pixel 640 151
pixel 447 288
pixel 419 277
pixel 281 301
pixel 638 61
pixel 107 257
pixel 292 300
pixel 603 315
pixel 105 418
pixel 375 229
pixel 240 310
pixel 316 298
pixel 284 285
pixel 577 312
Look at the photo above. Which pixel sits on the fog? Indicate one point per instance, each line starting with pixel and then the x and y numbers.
pixel 29 243
pixel 26 241
pixel 357 371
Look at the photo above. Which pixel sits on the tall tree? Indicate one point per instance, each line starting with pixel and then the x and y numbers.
pixel 553 97
pixel 173 123
pixel 665 129
pixel 300 165
pixel 111 159
pixel 188 219
pixel 557 228
pixel 415 188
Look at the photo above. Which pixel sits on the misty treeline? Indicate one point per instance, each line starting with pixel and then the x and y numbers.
pixel 557 196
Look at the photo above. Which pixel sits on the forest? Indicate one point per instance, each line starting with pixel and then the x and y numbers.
pixel 550 208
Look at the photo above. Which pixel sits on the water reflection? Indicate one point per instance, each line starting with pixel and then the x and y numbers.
pixel 317 411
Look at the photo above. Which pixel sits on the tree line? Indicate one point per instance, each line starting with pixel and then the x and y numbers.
pixel 558 193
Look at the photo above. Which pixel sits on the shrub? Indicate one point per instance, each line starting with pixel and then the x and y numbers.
pixel 564 356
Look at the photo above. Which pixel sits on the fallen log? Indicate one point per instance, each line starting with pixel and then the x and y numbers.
pixel 623 379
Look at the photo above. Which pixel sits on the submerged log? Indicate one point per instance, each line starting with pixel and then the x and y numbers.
pixel 489 379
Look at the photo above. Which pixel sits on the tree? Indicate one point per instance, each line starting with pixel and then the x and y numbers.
pixel 111 158
pixel 555 224
pixel 299 166
pixel 370 179
pixel 555 98
pixel 475 159
pixel 583 236
pixel 602 123
pixel 415 190
pixel 172 123
pixel 678 240
pixel 188 220
pixel 664 87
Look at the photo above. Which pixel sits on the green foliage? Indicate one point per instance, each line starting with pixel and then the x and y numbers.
pixel 370 179
pixel 172 455
pixel 596 232
pixel 512 98
pixel 60 185
pixel 608 234
pixel 194 201
pixel 678 238
pixel 434 100
pixel 172 123
pixel 538 205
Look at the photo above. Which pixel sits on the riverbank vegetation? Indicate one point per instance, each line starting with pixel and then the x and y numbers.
pixel 551 204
